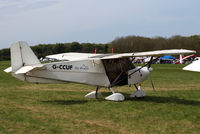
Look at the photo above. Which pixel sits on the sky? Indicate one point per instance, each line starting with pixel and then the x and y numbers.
pixel 95 21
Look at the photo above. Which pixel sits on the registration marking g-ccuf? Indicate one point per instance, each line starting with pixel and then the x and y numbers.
pixel 62 67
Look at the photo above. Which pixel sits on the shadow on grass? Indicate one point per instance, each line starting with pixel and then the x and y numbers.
pixel 160 99
pixel 71 102
pixel 155 99
pixel 66 102
pixel 172 100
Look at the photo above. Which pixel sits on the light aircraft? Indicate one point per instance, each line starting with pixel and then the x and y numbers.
pixel 100 70
pixel 183 59
pixel 194 66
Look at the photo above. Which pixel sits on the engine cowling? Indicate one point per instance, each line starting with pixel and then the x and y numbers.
pixel 138 76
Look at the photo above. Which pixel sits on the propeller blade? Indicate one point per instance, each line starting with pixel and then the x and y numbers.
pixel 152 82
pixel 150 62
pixel 138 69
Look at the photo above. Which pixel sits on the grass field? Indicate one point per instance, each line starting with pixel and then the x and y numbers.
pixel 61 108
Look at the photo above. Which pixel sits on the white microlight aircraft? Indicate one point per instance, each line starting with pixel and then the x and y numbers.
pixel 100 70
pixel 194 66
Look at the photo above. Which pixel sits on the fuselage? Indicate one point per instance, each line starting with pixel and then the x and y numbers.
pixel 106 73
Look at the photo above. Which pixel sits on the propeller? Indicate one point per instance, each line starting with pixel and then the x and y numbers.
pixel 152 82
pixel 150 62
pixel 149 66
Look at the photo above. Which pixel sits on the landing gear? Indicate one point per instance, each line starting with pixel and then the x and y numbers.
pixel 94 94
pixel 115 96
pixel 139 93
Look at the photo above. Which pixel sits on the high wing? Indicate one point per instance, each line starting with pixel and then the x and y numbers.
pixel 80 56
pixel 150 53
pixel 71 56
pixel 194 66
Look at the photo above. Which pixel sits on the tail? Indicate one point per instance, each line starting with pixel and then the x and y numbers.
pixel 23 60
pixel 22 55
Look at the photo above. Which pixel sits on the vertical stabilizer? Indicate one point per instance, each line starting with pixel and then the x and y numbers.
pixel 22 55
pixel 181 59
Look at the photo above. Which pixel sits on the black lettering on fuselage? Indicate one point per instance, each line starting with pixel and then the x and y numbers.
pixel 54 66
pixel 61 67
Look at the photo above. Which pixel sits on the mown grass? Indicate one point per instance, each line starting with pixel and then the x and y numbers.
pixel 62 108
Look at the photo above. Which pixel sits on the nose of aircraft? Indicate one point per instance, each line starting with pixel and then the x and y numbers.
pixel 138 74
pixel 145 71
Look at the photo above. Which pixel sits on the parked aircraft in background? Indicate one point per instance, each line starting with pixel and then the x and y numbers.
pixel 143 60
pixel 100 70
pixel 183 59
pixel 194 66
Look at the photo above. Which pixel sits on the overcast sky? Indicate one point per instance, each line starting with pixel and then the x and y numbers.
pixel 95 21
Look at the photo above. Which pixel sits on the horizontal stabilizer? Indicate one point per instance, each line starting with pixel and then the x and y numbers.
pixel 26 69
pixel 8 70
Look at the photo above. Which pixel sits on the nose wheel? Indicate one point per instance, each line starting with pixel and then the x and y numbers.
pixel 139 93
